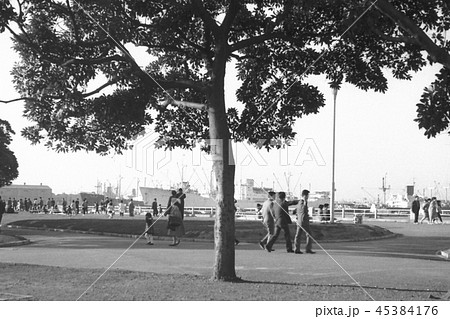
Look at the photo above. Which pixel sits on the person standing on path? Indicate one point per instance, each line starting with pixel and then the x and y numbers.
pixel 131 208
pixel 439 211
pixel 181 196
pixel 282 218
pixel 77 206
pixel 155 207
pixel 110 209
pixel 175 224
pixel 84 207
pixel 303 224
pixel 415 208
pixel 432 210
pixel 268 220
pixel 425 208
pixel 122 208
pixel 149 231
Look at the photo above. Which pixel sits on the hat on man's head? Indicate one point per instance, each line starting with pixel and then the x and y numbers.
pixel 271 193
pixel 305 192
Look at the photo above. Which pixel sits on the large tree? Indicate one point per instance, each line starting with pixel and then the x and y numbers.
pixel 8 161
pixel 273 44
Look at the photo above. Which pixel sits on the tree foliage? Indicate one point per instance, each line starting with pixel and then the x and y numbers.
pixel 433 111
pixel 272 43
pixel 8 161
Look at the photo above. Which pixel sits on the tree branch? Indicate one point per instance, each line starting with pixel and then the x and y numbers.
pixel 111 82
pixel 210 23
pixel 437 53
pixel 183 84
pixel 94 60
pixel 254 40
pixel 193 105
pixel 18 99
pixel 233 9
pixel 388 38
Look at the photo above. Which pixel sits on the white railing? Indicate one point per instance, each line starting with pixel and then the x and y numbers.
pixel 250 213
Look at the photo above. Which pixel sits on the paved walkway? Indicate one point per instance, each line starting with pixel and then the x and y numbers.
pixel 407 262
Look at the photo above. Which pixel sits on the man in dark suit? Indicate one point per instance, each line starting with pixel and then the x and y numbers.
pixel 415 207
pixel 303 224
pixel 155 207
pixel 282 221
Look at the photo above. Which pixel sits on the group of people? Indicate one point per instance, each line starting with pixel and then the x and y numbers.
pixel 74 207
pixel 107 206
pixel 175 213
pixel 275 215
pixel 432 210
pixel 26 204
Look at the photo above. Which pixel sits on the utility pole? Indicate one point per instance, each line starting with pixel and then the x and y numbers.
pixel 335 88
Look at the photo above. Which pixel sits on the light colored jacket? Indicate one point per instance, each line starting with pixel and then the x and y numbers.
pixel 302 213
pixel 267 212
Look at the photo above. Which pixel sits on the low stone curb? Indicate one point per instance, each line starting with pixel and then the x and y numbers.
pixel 13 297
pixel 167 238
pixel 86 232
pixel 19 242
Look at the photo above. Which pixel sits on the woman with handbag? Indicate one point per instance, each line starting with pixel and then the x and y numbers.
pixel 175 224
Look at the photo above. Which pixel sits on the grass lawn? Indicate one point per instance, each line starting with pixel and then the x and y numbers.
pixel 32 282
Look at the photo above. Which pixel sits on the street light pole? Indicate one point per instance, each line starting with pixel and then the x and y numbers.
pixel 333 186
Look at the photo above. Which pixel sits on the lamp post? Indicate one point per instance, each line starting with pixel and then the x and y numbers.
pixel 335 88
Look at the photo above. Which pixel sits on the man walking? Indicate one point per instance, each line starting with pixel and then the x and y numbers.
pixel 303 224
pixel 425 208
pixel 282 218
pixel 268 221
pixel 415 207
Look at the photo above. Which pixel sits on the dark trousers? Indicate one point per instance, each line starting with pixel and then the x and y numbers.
pixel 287 236
pixel 416 217
pixel 298 233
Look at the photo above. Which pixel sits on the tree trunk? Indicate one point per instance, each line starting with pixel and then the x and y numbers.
pixel 223 164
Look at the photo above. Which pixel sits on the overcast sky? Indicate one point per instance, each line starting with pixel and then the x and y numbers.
pixel 376 137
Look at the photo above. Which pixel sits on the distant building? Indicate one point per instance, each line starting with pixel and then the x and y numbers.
pixel 26 191
pixel 248 191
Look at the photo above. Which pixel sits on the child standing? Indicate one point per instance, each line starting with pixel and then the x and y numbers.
pixel 149 228
pixel 110 209
pixel 122 208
